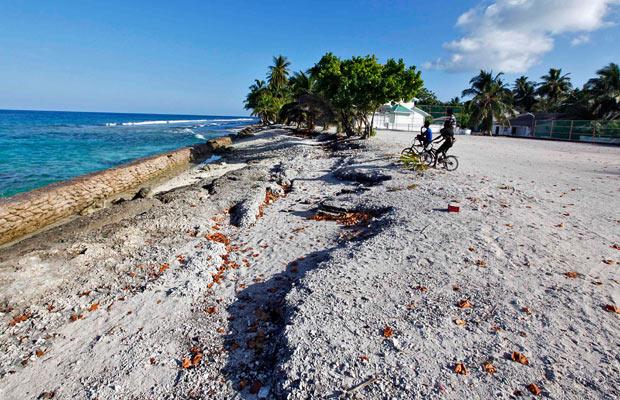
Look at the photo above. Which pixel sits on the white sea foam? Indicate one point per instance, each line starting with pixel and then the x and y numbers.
pixel 178 121
pixel 199 136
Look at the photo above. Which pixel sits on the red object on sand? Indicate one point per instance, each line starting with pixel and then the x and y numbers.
pixel 454 207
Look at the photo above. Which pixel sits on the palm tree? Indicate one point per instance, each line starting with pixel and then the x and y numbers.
pixel 278 73
pixel 302 83
pixel 491 100
pixel 524 93
pixel 604 91
pixel 554 88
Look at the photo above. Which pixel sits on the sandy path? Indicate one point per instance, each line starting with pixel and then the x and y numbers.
pixel 300 308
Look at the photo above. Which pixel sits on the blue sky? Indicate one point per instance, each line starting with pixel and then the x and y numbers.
pixel 199 57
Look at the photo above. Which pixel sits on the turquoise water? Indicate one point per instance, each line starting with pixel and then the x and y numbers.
pixel 41 147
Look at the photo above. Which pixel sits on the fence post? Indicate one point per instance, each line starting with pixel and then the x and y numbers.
pixel 570 133
pixel 551 132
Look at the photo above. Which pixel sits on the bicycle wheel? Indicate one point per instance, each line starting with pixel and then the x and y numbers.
pixel 412 150
pixel 428 158
pixel 450 163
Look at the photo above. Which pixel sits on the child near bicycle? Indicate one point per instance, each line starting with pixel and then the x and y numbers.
pixel 426 135
pixel 447 136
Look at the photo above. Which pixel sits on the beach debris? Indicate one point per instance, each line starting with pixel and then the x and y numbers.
pixel 362 385
pixel 74 317
pixel 489 368
pixel 612 308
pixel 560 225
pixel 46 395
pixel 218 237
pixel 520 358
pixel 454 207
pixel 460 369
pixel 368 176
pixel 193 360
pixel 465 303
pixel 363 358
pixel 163 267
pixel 571 274
pixel 459 322
pixel 481 263
pixel 609 261
pixel 93 307
pixel 388 332
pixel 142 193
pixel 20 318
pixel 39 353
pixel 534 389
pixel 211 310
pixel 347 218
pixel 615 246
pixel 526 310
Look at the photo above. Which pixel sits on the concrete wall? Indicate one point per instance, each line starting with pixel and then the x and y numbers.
pixel 30 212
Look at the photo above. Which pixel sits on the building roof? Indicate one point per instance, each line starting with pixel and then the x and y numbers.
pixel 399 108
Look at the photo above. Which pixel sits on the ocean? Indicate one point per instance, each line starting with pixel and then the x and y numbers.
pixel 41 147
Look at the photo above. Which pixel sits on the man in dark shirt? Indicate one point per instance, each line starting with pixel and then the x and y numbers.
pixel 447 135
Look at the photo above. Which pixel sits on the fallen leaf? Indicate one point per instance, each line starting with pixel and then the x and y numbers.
pixel 489 368
pixel 520 358
pixel 571 274
pixel 196 359
pixel 534 389
pixel 464 304
pixel 526 310
pixel 152 360
pixel 39 353
pixel 561 225
pixel 481 263
pixel 612 308
pixel 211 310
pixel 220 330
pixel 75 317
pixel 84 293
pixel 163 267
pixel 609 262
pixel 388 332
pixel 363 358
pixel 47 395
pixel 459 322
pixel 422 289
pixel 472 249
pixel 20 318
pixel 460 369
pixel 93 307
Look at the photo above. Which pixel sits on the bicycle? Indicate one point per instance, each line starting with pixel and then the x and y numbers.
pixel 449 163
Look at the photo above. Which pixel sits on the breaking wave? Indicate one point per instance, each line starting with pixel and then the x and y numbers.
pixel 178 121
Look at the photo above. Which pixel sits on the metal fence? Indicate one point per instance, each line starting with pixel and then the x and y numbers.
pixel 439 111
pixel 579 130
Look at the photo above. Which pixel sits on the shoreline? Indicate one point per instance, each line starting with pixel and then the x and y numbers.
pixel 57 203
pixel 277 274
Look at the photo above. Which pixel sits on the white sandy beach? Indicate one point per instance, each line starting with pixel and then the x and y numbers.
pixel 148 299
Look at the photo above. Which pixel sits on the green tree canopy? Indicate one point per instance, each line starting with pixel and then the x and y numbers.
pixel 491 100
pixel 524 92
pixel 604 91
pixel 358 86
pixel 554 89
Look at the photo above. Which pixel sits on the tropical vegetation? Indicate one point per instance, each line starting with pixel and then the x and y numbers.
pixel 335 92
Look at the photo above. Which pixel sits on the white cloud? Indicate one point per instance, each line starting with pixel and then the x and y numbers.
pixel 512 35
pixel 579 40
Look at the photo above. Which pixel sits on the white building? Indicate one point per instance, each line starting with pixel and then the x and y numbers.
pixel 400 117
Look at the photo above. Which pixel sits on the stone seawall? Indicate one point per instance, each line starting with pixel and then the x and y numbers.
pixel 28 213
